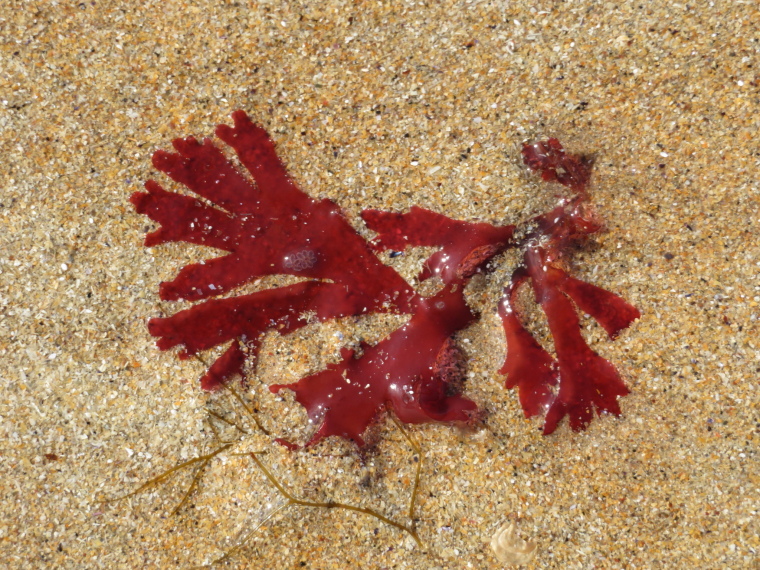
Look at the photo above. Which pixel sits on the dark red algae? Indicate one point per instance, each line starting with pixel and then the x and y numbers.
pixel 586 381
pixel 268 226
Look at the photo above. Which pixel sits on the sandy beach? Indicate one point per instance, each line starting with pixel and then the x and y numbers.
pixel 382 105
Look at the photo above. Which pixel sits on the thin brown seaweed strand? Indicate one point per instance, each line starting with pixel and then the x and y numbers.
pixel 214 431
pixel 193 485
pixel 227 386
pixel 331 504
pixel 204 460
pixel 240 399
pixel 226 421
pixel 170 472
pixel 249 535
pixel 418 450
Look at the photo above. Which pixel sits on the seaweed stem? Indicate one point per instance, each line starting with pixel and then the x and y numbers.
pixel 239 398
pixel 226 421
pixel 241 543
pixel 331 504
pixel 418 450
pixel 204 459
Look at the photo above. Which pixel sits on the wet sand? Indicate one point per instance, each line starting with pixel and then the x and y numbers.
pixel 381 105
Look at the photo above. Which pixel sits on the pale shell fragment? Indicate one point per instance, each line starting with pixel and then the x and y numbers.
pixel 510 548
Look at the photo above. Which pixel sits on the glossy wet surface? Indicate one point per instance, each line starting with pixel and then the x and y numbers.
pixel 381 106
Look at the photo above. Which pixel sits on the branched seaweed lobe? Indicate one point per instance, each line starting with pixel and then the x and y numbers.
pixel 587 382
pixel 269 226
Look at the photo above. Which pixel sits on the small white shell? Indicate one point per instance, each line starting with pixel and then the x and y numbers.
pixel 511 549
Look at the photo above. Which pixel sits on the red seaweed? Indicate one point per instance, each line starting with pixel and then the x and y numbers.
pixel 586 381
pixel 267 226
